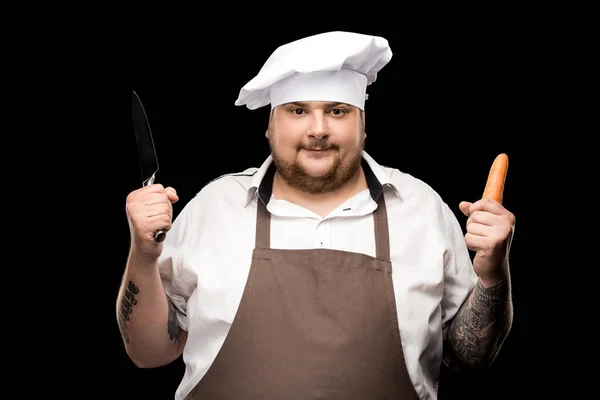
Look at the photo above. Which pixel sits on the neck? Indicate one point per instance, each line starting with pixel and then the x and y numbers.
pixel 323 203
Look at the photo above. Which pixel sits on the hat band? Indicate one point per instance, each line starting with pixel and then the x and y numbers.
pixel 344 86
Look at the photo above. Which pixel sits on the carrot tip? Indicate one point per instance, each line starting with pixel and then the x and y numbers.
pixel 494 187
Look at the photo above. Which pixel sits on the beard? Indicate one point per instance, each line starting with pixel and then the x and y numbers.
pixel 334 178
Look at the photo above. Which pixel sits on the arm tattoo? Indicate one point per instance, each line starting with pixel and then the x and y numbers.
pixel 480 327
pixel 172 325
pixel 128 300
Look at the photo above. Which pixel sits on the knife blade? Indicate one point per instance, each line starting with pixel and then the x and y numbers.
pixel 145 147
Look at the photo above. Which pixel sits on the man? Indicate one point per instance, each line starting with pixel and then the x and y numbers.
pixel 321 274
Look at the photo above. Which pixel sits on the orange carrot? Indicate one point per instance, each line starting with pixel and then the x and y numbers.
pixel 494 187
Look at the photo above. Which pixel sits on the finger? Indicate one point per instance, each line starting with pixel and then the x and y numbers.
pixel 163 218
pixel 161 222
pixel 154 188
pixel 156 198
pixel 464 207
pixel 475 242
pixel 172 194
pixel 477 229
pixel 142 194
pixel 488 205
pixel 160 209
pixel 484 218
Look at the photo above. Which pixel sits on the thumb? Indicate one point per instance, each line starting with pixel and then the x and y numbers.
pixel 464 207
pixel 172 194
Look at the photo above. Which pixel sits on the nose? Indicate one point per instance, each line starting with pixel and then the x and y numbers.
pixel 318 126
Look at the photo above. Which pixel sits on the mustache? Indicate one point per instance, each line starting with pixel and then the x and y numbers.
pixel 320 144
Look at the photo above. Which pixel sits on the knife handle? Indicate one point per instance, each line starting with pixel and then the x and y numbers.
pixel 160 235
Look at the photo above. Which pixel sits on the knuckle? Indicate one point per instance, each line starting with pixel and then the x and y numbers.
pixel 164 197
pixel 131 197
pixel 130 208
pixel 509 220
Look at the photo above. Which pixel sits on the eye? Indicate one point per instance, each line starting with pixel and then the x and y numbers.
pixel 298 111
pixel 338 111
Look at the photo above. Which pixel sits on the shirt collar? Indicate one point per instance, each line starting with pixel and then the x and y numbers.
pixel 376 176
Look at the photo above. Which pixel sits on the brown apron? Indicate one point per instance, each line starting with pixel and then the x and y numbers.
pixel 313 324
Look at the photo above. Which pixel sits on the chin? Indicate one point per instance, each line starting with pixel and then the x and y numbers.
pixel 318 174
pixel 318 168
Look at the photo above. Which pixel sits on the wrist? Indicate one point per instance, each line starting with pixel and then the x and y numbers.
pixel 492 281
pixel 496 276
pixel 141 260
pixel 493 291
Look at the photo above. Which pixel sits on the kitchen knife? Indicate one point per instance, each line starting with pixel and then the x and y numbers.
pixel 145 147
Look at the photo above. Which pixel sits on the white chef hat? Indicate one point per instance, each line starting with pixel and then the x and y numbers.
pixel 332 66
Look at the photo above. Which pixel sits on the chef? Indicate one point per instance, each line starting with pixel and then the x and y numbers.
pixel 319 273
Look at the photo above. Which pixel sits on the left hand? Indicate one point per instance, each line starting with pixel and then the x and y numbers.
pixel 490 229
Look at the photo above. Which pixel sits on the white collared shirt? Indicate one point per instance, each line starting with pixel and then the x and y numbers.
pixel 207 256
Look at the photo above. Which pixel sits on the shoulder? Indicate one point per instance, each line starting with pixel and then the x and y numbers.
pixel 233 183
pixel 231 190
pixel 411 190
pixel 223 199
pixel 406 186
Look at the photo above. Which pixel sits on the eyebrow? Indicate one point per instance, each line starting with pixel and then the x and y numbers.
pixel 328 104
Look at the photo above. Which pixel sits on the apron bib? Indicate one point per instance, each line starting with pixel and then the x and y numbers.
pixel 313 324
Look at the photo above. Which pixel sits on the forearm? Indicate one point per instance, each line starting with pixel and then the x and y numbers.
pixel 480 327
pixel 146 318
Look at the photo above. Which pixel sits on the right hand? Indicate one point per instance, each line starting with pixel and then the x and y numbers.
pixel 149 209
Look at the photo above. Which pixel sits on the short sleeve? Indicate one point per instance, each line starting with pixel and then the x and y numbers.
pixel 178 287
pixel 459 275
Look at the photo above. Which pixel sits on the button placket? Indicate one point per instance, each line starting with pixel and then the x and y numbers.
pixel 322 234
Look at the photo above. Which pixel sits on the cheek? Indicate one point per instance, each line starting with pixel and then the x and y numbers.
pixel 286 140
pixel 283 145
pixel 352 141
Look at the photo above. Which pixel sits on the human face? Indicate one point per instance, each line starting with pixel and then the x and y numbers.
pixel 316 146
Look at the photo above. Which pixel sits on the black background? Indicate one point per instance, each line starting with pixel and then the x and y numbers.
pixel 452 98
